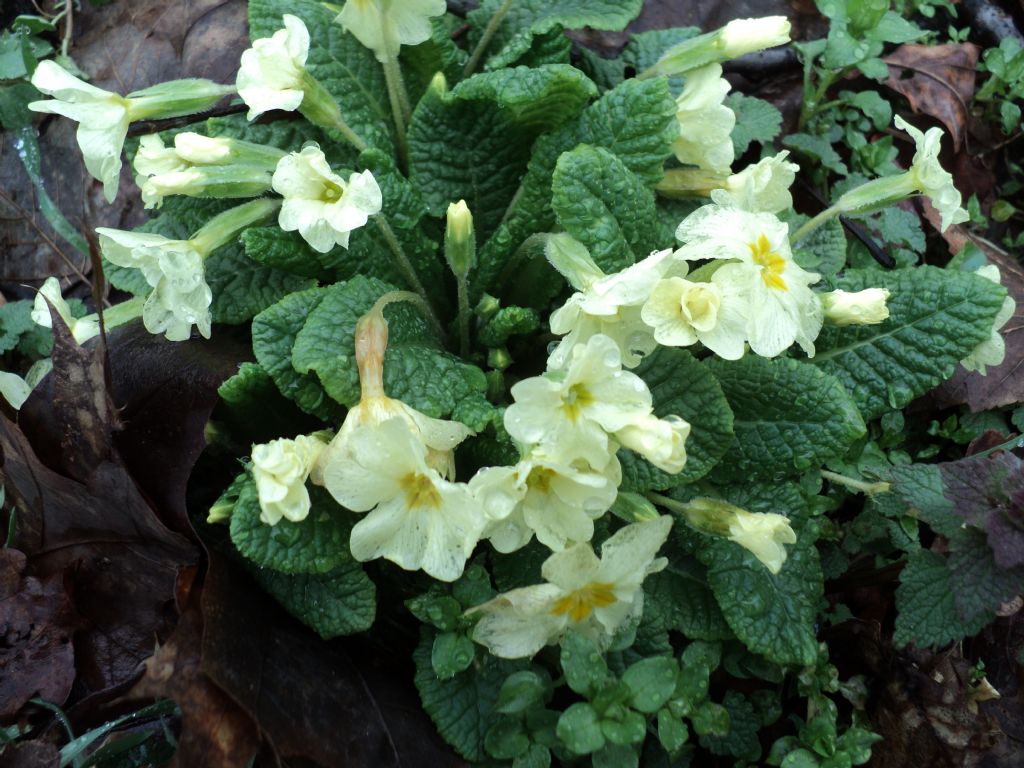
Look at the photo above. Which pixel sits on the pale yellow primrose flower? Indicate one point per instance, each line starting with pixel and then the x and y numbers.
pixel 82 329
pixel 742 36
pixel 102 119
pixel 271 72
pixel 867 307
pixel 781 306
pixel 384 26
pixel 280 469
pixel 682 313
pixel 661 441
pixel 595 597
pixel 416 519
pixel 763 186
pixel 609 305
pixel 930 178
pixel 705 123
pixel 763 535
pixel 374 408
pixel 572 411
pixel 14 389
pixel 180 298
pixel 319 203
pixel 992 351
pixel 543 495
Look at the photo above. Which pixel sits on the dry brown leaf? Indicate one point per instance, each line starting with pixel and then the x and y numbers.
pixel 937 80
pixel 36 624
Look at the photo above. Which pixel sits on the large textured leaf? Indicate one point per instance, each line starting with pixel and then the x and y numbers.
pixel 926 607
pixel 242 289
pixel 936 317
pixel 318 544
pixel 772 614
pixel 416 370
pixel 344 65
pixel 544 97
pixel 635 121
pixel 339 602
pixel 788 417
pixel 684 387
pixel 462 706
pixel 605 206
pixel 273 336
pixel 527 18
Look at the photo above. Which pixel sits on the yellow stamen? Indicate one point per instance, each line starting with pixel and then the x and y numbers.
pixel 582 602
pixel 539 479
pixel 419 492
pixel 772 264
pixel 576 399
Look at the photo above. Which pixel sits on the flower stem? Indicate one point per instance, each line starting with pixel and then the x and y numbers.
pixel 224 227
pixel 406 268
pixel 485 38
pixel 462 287
pixel 813 224
pixel 399 107
pixel 853 484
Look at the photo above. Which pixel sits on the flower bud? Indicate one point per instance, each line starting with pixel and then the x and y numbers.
pixel 742 36
pixel 762 534
pixel 634 508
pixel 176 98
pixel 206 150
pixel 866 307
pixel 227 181
pixel 460 240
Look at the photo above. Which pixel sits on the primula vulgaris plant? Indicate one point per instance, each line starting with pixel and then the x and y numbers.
pixel 485 350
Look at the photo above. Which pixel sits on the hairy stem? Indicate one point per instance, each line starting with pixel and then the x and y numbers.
pixel 485 38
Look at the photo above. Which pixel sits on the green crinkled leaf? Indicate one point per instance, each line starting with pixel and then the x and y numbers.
pixel 416 370
pixel 509 321
pixel 528 18
pixel 466 150
pixel 679 598
pixel 285 251
pixel 756 120
pixel 817 148
pixel 741 741
pixel 936 317
pixel 920 486
pixel 242 289
pixel 340 62
pixel 15 323
pixel 787 417
pixel 462 706
pixel 601 203
pixel 640 53
pixel 824 250
pixel 926 608
pixel 339 602
pixel 318 544
pixel 273 335
pixel 253 408
pixel 636 121
pixel 544 97
pixel 681 386
pixel 773 615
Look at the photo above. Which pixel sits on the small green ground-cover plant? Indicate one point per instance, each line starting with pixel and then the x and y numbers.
pixel 518 324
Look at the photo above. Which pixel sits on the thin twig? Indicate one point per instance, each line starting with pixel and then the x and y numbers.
pixel 30 220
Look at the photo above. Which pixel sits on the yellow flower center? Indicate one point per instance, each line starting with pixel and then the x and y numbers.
pixel 419 492
pixel 331 193
pixel 575 400
pixel 539 479
pixel 581 603
pixel 772 264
